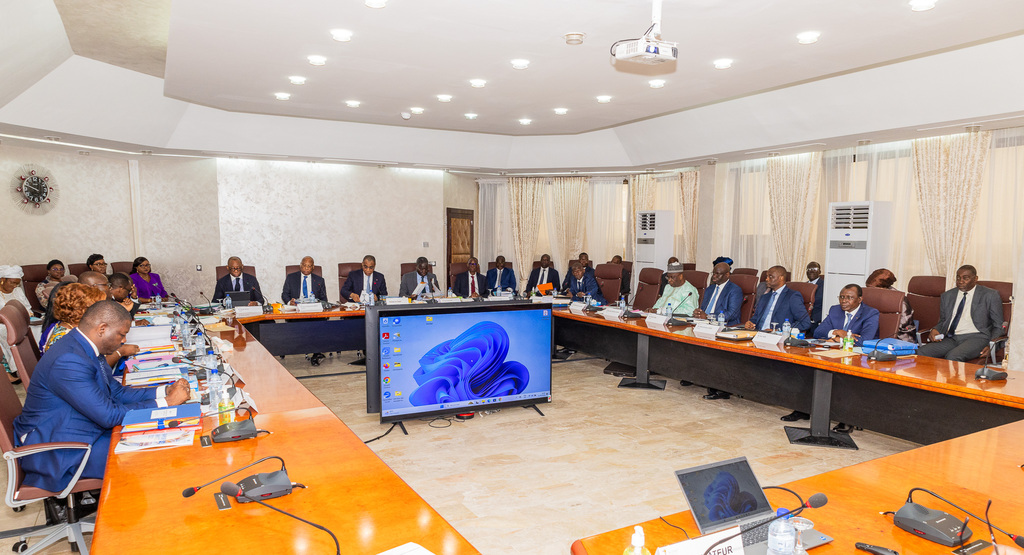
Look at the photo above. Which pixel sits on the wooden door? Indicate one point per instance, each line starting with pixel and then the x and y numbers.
pixel 459 229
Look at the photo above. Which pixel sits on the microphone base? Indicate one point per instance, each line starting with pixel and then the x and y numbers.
pixel 804 436
pixel 987 373
pixel 265 485
pixel 931 524
pixel 234 431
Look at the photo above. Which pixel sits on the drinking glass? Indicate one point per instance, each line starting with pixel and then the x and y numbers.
pixel 801 524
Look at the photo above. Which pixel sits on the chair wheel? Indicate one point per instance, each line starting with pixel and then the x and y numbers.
pixel 20 547
pixel 18 509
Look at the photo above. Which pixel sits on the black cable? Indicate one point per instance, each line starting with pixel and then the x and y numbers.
pixel 431 422
pixel 674 526
pixel 337 546
pixel 797 495
pixel 393 424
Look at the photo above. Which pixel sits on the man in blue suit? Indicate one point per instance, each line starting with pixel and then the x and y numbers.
pixel 304 284
pixel 723 297
pixel 501 277
pixel 235 280
pixel 849 317
pixel 545 274
pixel 358 281
pixel 582 284
pixel 779 304
pixel 74 398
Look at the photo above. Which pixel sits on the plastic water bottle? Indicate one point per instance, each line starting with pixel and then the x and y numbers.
pixel 786 328
pixel 781 536
pixel 668 310
pixel 224 403
pixel 227 302
pixel 200 346
pixel 622 302
pixel 213 383
pixel 450 294
pixel 636 546
pixel 721 319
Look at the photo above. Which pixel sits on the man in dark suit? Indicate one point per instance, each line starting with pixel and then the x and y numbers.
pixel 779 304
pixel 74 398
pixel 723 297
pixel 421 275
pixel 584 260
pixel 970 316
pixel 624 287
pixel 235 280
pixel 582 284
pixel 304 284
pixel 542 275
pixel 471 284
pixel 501 277
pixel 849 317
pixel 357 282
pixel 814 276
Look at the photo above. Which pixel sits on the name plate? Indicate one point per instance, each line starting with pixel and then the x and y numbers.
pixel 697 546
pixel 656 320
pixel 578 308
pixel 395 300
pixel 611 312
pixel 768 338
pixel 707 328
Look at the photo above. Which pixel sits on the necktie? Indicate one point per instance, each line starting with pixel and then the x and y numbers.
pixel 497 279
pixel 846 325
pixel 367 287
pixel 766 319
pixel 714 299
pixel 956 319
pixel 305 287
pixel 543 276
pixel 472 284
pixel 238 284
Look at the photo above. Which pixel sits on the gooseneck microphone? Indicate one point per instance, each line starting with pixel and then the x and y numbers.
pixel 232 490
pixel 928 523
pixel 189 492
pixel 205 298
pixel 815 501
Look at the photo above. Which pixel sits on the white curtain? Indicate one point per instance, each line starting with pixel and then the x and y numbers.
pixel 495 230
pixel 568 202
pixel 689 201
pixel 607 220
pixel 792 193
pixel 526 199
pixel 947 177
pixel 642 193
pixel 742 228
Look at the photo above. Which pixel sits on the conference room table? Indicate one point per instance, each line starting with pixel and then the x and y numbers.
pixel 920 399
pixel 298 333
pixel 349 489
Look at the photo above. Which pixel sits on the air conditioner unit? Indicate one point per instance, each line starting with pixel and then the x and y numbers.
pixel 859 234
pixel 655 237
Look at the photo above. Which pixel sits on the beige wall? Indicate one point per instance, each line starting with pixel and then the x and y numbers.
pixel 274 213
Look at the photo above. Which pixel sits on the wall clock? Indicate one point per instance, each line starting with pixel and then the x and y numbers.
pixel 34 189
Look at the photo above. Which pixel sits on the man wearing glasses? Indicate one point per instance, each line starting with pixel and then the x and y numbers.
pixel 471 284
pixel 367 280
pixel 236 280
pixel 849 318
pixel 97 280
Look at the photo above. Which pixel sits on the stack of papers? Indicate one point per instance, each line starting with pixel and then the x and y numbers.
pixel 154 373
pixel 150 339
pixel 181 417
pixel 159 439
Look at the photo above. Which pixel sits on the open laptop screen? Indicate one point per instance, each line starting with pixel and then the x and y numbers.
pixel 723 494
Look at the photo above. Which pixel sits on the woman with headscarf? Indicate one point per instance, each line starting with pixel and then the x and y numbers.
pixel 10 290
pixel 54 275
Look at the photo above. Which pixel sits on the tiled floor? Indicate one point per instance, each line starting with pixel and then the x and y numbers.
pixel 602 457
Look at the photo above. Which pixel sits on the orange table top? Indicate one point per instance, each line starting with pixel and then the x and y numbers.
pixel 932 374
pixel 968 470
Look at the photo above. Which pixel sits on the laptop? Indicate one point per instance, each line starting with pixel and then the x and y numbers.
pixel 239 298
pixel 726 494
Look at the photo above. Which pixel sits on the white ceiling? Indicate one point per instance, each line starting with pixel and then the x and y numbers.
pixel 234 54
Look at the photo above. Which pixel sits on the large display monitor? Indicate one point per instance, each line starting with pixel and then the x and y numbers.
pixel 448 359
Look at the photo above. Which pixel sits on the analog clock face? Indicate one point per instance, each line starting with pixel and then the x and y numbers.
pixel 35 189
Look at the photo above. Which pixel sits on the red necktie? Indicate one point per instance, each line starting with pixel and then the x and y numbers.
pixel 472 284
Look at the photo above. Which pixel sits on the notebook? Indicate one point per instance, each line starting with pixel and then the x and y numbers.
pixel 726 494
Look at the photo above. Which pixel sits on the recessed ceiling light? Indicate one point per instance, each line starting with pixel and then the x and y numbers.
pixel 604 99
pixel 317 60
pixel 352 103
pixel 723 63
pixel 525 121
pixel 341 35
pixel 477 83
pixel 520 63
pixel 444 98
pixel 470 116
pixel 561 111
pixel 375 3
pixel 921 5
pixel 282 96
pixel 297 80
pixel 574 39
pixel 656 83
pixel 808 37
pixel 416 110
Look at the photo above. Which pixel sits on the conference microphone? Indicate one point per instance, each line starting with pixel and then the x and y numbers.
pixel 815 501
pixel 189 492
pixel 934 525
pixel 235 431
pixel 233 490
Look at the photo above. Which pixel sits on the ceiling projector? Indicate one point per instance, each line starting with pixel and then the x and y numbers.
pixel 646 51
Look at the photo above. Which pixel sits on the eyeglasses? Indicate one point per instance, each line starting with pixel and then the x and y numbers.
pixel 104 264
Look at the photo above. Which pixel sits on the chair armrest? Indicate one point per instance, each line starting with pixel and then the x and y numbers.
pixel 924 336
pixel 26 450
pixel 992 347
